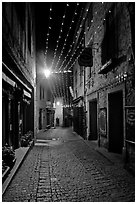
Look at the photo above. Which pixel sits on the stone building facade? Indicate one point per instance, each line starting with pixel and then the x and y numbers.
pixel 109 82
pixel 18 72
pixel 45 110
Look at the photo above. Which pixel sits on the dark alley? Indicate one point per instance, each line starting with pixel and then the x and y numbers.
pixel 68 101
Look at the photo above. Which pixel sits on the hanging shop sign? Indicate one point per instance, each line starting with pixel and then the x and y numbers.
pixel 86 58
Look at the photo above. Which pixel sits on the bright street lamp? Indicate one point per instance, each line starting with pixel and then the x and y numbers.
pixel 58 103
pixel 47 73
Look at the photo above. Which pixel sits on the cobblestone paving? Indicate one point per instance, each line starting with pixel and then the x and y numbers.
pixel 65 169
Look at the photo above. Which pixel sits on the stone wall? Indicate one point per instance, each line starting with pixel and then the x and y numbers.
pixel 113 80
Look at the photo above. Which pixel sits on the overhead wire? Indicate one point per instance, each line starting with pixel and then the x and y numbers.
pixel 70 27
pixel 59 37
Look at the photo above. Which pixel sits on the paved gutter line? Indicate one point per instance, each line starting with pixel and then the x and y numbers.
pixel 14 170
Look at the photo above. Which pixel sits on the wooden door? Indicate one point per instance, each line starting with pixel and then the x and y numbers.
pixel 115 122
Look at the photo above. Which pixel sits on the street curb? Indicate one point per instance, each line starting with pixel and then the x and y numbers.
pixel 101 153
pixel 15 170
pixel 96 148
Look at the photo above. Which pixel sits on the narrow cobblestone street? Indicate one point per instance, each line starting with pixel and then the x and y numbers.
pixel 62 167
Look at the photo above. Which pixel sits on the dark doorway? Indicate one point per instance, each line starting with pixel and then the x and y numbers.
pixel 93 120
pixel 78 120
pixel 115 122
pixel 40 118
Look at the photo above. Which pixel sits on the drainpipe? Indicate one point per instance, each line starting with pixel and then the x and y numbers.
pixel 84 100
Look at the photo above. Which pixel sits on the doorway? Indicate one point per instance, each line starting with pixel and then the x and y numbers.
pixel 40 119
pixel 115 103
pixel 93 120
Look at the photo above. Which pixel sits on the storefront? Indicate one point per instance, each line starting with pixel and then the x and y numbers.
pixel 17 108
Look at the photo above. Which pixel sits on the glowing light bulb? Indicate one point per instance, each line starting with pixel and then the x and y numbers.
pixel 47 73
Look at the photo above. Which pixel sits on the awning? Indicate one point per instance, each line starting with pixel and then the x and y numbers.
pixel 8 80
pixel 26 94
pixel 16 78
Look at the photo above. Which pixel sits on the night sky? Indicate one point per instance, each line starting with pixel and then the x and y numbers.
pixel 56 26
pixel 53 26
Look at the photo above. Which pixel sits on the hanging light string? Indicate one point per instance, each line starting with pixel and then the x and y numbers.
pixel 65 68
pixel 73 43
pixel 70 27
pixel 66 75
pixel 78 46
pixel 65 86
pixel 52 87
pixel 61 30
pixel 60 84
pixel 71 82
pixel 98 27
pixel 52 91
pixel 57 85
pixel 48 33
pixel 57 89
pixel 64 90
pixel 76 59
pixel 53 84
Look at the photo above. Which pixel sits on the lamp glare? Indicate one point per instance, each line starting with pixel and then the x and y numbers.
pixel 47 73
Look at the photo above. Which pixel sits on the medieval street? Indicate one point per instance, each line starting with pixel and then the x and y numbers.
pixel 68 101
pixel 62 166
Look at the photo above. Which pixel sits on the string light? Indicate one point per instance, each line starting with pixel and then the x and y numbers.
pixel 64 94
pixel 74 53
pixel 57 86
pixel 67 86
pixel 72 42
pixel 52 90
pixel 87 43
pixel 55 52
pixel 62 51
pixel 68 51
pixel 75 50
pixel 49 28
